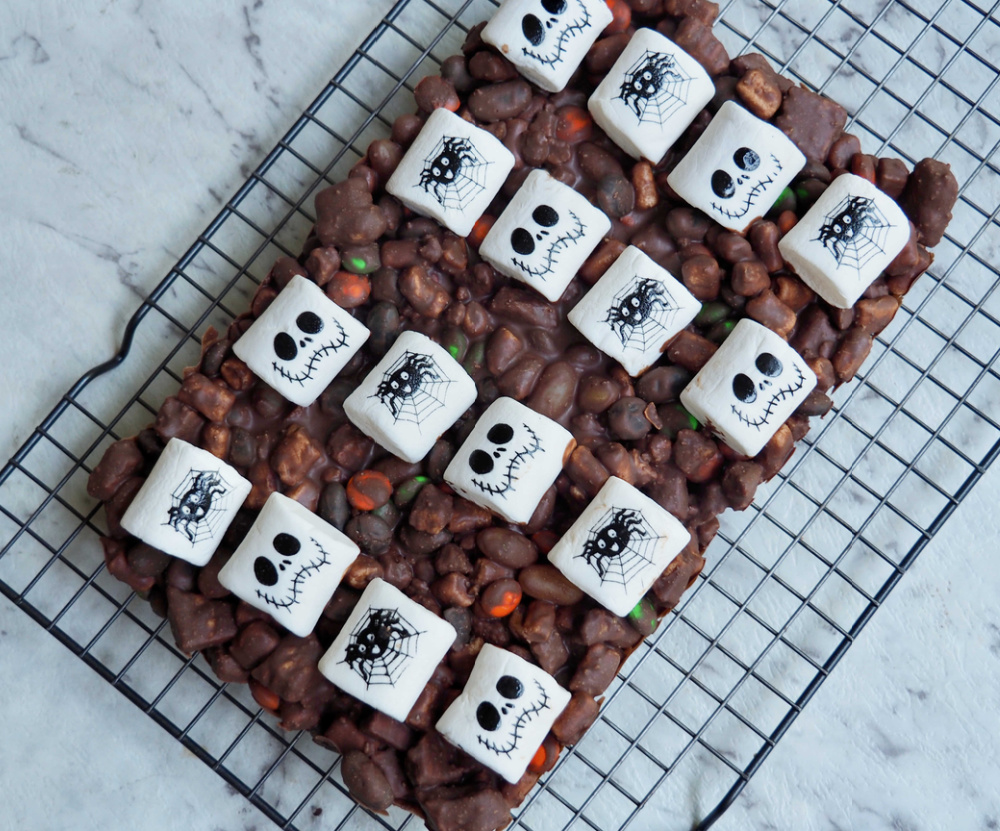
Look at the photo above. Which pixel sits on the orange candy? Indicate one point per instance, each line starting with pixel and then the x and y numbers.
pixel 349 290
pixel 266 697
pixel 501 597
pixel 621 17
pixel 368 490
pixel 537 763
pixel 480 230
pixel 787 221
pixel 574 124
pixel 545 540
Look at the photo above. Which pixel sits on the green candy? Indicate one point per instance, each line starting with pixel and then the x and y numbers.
pixel 712 313
pixel 408 490
pixel 643 617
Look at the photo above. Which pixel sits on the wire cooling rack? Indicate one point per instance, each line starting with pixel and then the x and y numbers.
pixel 790 582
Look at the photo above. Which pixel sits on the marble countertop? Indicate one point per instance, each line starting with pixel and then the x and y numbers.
pixel 123 128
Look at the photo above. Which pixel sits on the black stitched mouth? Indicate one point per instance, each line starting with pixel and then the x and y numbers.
pixel 555 249
pixel 509 478
pixel 515 733
pixel 779 396
pixel 314 359
pixel 296 587
pixel 578 25
pixel 751 197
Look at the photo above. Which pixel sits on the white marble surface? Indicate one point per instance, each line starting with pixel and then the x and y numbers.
pixel 123 127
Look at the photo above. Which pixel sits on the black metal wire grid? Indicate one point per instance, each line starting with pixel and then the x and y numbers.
pixel 790 582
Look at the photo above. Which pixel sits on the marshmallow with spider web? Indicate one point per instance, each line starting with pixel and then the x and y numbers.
pixel 737 168
pixel 415 393
pixel 634 310
pixel 650 96
pixel 504 712
pixel 510 459
pixel 618 546
pixel 451 172
pixel 749 387
pixel 300 342
pixel 846 240
pixel 387 650
pixel 289 564
pixel 544 235
pixel 547 39
pixel 186 503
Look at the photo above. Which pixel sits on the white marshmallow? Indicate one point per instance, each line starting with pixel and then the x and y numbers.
pixel 618 546
pixel 451 172
pixel 634 310
pixel 504 713
pixel 187 503
pixel 544 235
pixel 415 393
pixel 737 168
pixel 650 96
pixel 749 387
pixel 509 460
pixel 547 39
pixel 387 650
pixel 289 564
pixel 846 240
pixel 300 342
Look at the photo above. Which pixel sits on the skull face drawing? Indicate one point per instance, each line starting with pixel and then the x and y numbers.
pixel 761 387
pixel 548 234
pixel 283 571
pixel 502 717
pixel 739 187
pixel 496 465
pixel 303 343
pixel 549 26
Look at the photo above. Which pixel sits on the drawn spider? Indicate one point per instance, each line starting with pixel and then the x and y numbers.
pixel 854 232
pixel 195 504
pixel 378 649
pixel 412 388
pixel 640 311
pixel 611 541
pixel 451 173
pixel 655 87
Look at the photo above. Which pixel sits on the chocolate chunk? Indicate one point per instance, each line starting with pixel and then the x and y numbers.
pixel 291 669
pixel 498 102
pixel 197 622
pixel 813 122
pixel 254 643
pixel 345 215
pixel 928 199
pixel 575 720
pixel 596 671
pixel 120 460
pixel 465 809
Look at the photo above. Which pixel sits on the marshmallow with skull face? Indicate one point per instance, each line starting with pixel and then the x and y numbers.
pixel 650 96
pixel 186 503
pixel 300 342
pixel 846 240
pixel 387 650
pixel 544 235
pixel 737 169
pixel 618 546
pixel 415 393
pixel 509 460
pixel 289 564
pixel 749 387
pixel 547 39
pixel 634 310
pixel 451 172
pixel 504 712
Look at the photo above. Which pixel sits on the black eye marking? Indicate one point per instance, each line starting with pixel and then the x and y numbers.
pixel 723 185
pixel 509 687
pixel 532 28
pixel 744 389
pixel 309 322
pixel 554 6
pixel 487 716
pixel 481 462
pixel 265 572
pixel 521 241
pixel 284 346
pixel 500 433
pixel 746 159
pixel 768 364
pixel 286 545
pixel 545 216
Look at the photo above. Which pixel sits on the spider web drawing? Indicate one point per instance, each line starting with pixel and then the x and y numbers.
pixel 413 388
pixel 195 509
pixel 655 87
pixel 619 545
pixel 641 313
pixel 855 232
pixel 381 647
pixel 455 173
